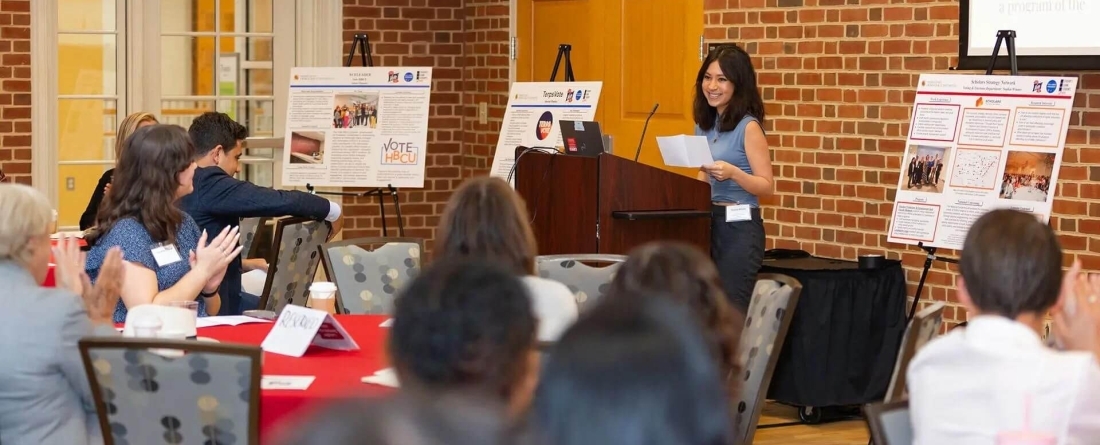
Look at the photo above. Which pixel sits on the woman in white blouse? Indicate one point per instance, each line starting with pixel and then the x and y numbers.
pixel 486 219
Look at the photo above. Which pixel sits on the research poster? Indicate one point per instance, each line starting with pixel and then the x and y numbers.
pixel 357 127
pixel 533 115
pixel 979 143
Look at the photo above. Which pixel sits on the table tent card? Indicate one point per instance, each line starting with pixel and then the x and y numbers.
pixel 299 327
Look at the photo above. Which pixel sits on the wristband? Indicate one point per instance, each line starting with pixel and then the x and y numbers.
pixel 207 295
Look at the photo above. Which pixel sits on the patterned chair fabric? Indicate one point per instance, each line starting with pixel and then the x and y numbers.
pixel 588 283
pixel 921 330
pixel 769 316
pixel 203 394
pixel 295 262
pixel 249 228
pixel 369 272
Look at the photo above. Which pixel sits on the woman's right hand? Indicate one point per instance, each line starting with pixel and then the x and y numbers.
pixel 211 259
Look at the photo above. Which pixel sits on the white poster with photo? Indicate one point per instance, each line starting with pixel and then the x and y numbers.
pixel 534 110
pixel 357 127
pixel 978 143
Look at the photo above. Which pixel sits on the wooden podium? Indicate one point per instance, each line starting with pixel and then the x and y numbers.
pixel 609 204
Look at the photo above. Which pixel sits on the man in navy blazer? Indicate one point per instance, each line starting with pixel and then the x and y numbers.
pixel 220 200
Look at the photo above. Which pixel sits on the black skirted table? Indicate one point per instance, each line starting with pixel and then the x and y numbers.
pixel 844 336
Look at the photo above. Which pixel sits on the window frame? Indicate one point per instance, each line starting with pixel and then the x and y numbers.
pixel 313 29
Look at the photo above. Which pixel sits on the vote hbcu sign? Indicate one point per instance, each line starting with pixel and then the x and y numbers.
pixel 395 152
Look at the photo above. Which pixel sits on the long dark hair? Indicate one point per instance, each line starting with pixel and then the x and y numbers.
pixel 737 67
pixel 146 181
pixel 688 276
pixel 632 373
pixel 486 219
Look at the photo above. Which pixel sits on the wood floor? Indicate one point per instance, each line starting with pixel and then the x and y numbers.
pixel 848 432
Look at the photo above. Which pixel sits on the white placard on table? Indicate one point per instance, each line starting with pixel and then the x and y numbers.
pixel 533 115
pixel 387 323
pixel 357 126
pixel 979 143
pixel 299 327
pixel 383 377
pixel 289 382
pixel 685 151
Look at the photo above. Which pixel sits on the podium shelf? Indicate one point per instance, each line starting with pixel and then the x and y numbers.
pixel 635 215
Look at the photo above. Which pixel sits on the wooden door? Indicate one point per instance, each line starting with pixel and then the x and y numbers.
pixel 644 51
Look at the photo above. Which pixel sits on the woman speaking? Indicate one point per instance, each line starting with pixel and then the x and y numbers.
pixel 730 113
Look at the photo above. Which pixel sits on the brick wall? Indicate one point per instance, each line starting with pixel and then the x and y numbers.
pixel 486 81
pixel 415 33
pixel 838 80
pixel 15 89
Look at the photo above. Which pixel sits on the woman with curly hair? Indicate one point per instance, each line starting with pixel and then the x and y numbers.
pixel 684 273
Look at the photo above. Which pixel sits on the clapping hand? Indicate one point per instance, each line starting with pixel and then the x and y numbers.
pixel 101 299
pixel 212 259
pixel 1076 323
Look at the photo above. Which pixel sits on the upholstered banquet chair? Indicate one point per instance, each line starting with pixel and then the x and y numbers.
pixel 766 322
pixel 150 391
pixel 581 273
pixel 249 229
pixel 922 329
pixel 889 423
pixel 294 262
pixel 369 272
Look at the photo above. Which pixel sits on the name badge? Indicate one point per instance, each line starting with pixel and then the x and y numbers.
pixel 740 212
pixel 166 254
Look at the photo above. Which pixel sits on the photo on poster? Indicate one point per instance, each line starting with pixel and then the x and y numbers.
pixel 307 147
pixel 355 110
pixel 1027 176
pixel 924 169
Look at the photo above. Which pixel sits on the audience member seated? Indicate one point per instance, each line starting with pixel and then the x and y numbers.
pixel 976 383
pixel 219 200
pixel 125 129
pixel 166 257
pixel 44 395
pixel 486 219
pixel 466 325
pixel 408 419
pixel 687 275
pixel 632 372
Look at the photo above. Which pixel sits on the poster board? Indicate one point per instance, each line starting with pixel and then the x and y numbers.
pixel 357 126
pixel 978 143
pixel 533 115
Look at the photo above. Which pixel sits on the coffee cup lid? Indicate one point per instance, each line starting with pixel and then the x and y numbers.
pixel 323 286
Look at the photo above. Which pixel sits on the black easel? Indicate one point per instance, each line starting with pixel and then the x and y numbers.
pixel 1008 37
pixel 563 52
pixel 363 43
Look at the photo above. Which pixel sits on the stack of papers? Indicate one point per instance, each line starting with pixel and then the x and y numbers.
pixel 385 377
pixel 227 320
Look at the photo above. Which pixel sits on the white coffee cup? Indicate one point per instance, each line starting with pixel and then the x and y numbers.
pixel 147 327
pixel 322 295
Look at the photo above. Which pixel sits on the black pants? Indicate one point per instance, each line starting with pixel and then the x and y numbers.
pixel 737 249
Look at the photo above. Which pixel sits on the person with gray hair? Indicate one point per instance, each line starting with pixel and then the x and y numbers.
pixel 44 395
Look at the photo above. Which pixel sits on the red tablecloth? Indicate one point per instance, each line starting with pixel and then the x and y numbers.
pixel 337 373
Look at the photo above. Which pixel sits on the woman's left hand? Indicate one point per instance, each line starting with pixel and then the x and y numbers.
pixel 721 170
pixel 70 261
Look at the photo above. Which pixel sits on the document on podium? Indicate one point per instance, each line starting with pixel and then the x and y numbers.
pixel 685 151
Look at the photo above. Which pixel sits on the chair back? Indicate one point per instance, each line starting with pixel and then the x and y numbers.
pixel 174 391
pixel 583 274
pixel 889 423
pixel 294 263
pixel 774 300
pixel 922 329
pixel 369 272
pixel 249 229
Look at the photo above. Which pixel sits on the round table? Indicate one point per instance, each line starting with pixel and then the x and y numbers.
pixel 337 373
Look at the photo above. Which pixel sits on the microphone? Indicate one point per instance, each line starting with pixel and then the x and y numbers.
pixel 642 139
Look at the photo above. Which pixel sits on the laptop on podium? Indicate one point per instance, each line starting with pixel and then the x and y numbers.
pixel 583 138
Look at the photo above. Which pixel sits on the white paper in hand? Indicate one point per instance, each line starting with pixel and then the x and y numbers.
pixel 685 151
